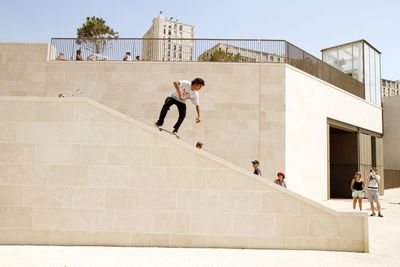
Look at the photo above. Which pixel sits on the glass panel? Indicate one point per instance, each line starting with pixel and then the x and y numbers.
pixel 323 71
pixel 345 61
pixel 336 77
pixel 330 57
pixel 378 78
pixel 357 62
pixel 295 57
pixel 372 75
pixel 366 74
pixel 311 65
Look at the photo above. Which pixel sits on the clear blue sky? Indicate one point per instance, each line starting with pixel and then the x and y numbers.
pixel 309 24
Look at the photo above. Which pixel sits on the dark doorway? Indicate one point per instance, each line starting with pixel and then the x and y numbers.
pixel 343 155
pixel 373 151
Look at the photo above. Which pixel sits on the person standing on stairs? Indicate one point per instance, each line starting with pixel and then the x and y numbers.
pixel 256 165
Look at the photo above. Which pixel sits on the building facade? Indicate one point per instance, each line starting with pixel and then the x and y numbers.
pixel 391 141
pixel 166 40
pixel 227 52
pixel 351 146
pixel 390 88
pixel 273 112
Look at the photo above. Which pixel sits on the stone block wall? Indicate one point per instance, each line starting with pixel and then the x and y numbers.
pixel 242 105
pixel 74 172
pixel 23 69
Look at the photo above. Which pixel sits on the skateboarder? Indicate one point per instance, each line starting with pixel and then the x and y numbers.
pixel 183 90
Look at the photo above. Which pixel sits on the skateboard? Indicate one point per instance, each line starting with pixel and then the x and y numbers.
pixel 165 130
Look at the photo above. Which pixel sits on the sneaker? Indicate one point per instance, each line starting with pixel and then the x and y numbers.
pixel 156 124
pixel 372 214
pixel 380 215
pixel 175 131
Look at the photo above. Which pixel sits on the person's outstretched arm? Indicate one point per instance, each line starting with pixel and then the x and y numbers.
pixel 198 114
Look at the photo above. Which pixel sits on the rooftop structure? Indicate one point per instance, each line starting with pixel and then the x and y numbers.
pixel 360 60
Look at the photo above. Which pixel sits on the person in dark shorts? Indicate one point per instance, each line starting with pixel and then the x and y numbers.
pixel 183 90
pixel 256 168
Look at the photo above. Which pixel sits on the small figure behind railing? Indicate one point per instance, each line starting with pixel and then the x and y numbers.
pixel 78 55
pixel 127 56
pixel 60 56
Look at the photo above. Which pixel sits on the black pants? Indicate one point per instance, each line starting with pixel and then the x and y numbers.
pixel 169 101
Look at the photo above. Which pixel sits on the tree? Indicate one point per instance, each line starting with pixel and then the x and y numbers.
pixel 95 34
pixel 221 56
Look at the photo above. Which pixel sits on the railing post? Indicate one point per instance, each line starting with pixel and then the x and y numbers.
pixel 73 48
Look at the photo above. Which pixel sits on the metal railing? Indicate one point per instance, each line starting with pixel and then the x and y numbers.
pixel 316 67
pixel 174 49
pixel 195 50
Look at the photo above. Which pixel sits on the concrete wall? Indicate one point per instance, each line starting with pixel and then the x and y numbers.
pixel 309 103
pixel 391 139
pixel 232 112
pixel 23 69
pixel 246 109
pixel 392 178
pixel 74 172
pixel 242 105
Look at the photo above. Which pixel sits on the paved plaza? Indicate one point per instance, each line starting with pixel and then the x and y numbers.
pixel 384 234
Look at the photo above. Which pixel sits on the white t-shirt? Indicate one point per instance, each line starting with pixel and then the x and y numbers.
pixel 373 184
pixel 187 93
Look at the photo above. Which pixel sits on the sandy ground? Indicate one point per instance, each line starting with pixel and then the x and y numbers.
pixel 384 236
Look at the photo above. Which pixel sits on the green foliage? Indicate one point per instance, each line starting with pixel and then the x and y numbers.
pixel 95 34
pixel 221 56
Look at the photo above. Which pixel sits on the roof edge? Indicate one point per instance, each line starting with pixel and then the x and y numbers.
pixel 360 40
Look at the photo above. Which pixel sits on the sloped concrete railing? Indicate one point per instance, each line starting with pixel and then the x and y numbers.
pixel 74 172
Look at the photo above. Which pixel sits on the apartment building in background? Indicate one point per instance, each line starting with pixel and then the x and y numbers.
pixel 168 43
pixel 238 54
pixel 390 88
